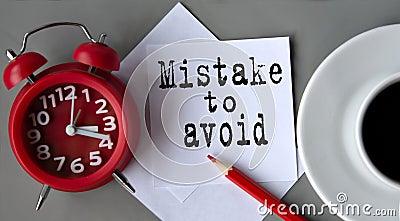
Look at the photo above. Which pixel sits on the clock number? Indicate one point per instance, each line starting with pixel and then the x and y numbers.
pixel 109 144
pixel 101 110
pixel 34 135
pixel 76 166
pixel 32 116
pixel 43 152
pixel 53 100
pixel 86 92
pixel 44 100
pixel 60 95
pixel 95 159
pixel 42 118
pixel 70 96
pixel 110 125
pixel 61 163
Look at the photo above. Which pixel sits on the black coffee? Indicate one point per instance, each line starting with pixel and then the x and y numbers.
pixel 381 131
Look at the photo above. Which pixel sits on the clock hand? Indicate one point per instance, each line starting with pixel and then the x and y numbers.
pixel 77 116
pixel 89 128
pixel 91 134
pixel 90 131
pixel 71 122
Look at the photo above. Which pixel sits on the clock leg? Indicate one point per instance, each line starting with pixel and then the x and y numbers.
pixel 123 181
pixel 44 192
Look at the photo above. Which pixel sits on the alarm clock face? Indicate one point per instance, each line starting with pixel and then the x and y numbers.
pixel 45 124
pixel 67 131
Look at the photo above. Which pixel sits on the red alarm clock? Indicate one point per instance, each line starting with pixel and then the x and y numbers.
pixel 66 123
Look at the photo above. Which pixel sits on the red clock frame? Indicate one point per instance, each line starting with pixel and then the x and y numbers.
pixel 104 83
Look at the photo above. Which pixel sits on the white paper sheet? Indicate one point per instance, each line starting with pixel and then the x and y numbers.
pixel 222 201
pixel 280 161
pixel 178 20
pixel 277 188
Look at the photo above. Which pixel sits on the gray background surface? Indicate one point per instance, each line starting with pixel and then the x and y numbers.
pixel 315 27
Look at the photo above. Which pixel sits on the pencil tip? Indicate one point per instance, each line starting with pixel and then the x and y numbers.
pixel 211 158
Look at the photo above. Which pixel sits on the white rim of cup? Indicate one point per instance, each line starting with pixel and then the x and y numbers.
pixel 360 116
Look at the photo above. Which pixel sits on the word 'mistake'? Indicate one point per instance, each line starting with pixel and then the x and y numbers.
pixel 238 78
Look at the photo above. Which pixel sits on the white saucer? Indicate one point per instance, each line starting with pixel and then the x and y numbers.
pixel 327 124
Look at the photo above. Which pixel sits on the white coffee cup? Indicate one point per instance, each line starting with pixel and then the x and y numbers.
pixel 329 123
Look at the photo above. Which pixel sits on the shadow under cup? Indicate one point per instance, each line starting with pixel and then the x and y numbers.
pixel 381 131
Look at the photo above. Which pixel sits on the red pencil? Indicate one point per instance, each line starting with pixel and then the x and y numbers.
pixel 257 192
